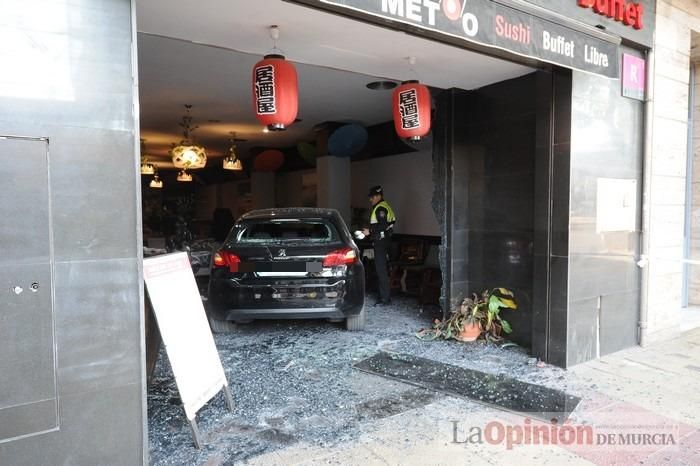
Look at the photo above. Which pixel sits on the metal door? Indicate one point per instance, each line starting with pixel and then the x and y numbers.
pixel 28 398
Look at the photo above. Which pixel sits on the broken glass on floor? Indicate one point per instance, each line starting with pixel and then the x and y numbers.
pixel 499 391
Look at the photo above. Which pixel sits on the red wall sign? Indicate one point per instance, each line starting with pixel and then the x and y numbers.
pixel 628 13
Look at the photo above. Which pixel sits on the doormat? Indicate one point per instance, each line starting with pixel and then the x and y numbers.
pixel 498 391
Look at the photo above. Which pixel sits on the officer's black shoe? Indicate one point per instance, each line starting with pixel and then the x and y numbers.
pixel 381 302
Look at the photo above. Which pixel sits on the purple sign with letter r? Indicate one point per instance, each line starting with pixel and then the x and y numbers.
pixel 633 77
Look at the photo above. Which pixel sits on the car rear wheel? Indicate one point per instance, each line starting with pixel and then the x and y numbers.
pixel 221 326
pixel 356 323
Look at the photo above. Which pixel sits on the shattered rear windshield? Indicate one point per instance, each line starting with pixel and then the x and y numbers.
pixel 286 231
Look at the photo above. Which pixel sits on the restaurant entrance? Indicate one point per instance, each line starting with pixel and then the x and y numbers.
pixel 531 179
pixel 346 83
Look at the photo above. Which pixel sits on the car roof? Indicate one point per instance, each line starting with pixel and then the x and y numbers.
pixel 290 212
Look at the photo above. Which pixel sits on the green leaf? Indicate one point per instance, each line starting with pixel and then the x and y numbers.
pixel 494 304
pixel 509 303
pixel 506 326
pixel 504 291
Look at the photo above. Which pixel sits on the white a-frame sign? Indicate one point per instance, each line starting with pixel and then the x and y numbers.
pixel 187 337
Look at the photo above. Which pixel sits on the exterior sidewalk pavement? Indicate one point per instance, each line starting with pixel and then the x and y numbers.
pixel 652 386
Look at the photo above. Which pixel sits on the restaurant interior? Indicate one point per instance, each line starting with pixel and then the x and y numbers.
pixel 207 159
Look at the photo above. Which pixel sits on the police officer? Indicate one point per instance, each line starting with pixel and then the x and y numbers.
pixel 381 221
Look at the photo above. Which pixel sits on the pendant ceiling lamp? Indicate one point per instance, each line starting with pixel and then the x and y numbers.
pixel 188 155
pixel 156 182
pixel 147 168
pixel 232 162
pixel 275 89
pixel 184 177
pixel 411 109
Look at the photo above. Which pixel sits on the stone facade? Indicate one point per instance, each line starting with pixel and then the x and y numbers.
pixel 666 202
pixel 694 250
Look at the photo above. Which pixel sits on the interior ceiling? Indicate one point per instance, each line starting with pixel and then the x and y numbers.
pixel 202 53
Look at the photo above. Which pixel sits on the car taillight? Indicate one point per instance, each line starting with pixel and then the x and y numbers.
pixel 219 260
pixel 345 256
pixel 226 259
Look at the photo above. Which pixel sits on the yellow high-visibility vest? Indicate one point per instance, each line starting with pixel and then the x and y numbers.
pixel 390 217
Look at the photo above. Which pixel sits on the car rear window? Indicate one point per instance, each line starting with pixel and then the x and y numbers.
pixel 287 231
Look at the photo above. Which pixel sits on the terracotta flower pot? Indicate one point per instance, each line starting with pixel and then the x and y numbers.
pixel 470 332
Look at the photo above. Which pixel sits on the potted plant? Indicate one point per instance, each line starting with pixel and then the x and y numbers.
pixel 475 316
pixel 471 329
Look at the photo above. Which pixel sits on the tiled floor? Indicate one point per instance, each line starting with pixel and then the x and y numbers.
pixel 299 401
pixel 690 318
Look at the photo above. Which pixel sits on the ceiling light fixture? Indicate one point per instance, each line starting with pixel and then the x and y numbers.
pixel 156 182
pixel 147 168
pixel 232 162
pixel 234 165
pixel 188 155
pixel 184 177
pixel 381 85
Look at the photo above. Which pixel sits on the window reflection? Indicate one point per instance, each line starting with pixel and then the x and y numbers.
pixel 35 44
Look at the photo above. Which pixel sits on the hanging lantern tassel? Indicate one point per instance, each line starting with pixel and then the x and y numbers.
pixel 275 92
pixel 412 110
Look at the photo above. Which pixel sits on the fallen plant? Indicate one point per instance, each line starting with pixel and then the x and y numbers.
pixel 482 311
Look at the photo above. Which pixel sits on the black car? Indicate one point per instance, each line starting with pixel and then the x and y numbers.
pixel 287 264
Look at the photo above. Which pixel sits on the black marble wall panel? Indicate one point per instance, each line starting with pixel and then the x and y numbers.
pixel 542 212
pixel 72 82
pixel 522 159
pixel 489 154
pixel 606 144
pixel 586 282
pixel 551 238
pixel 461 197
pixel 442 197
pixel 582 331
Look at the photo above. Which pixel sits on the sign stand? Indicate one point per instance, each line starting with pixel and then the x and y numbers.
pixel 188 341
pixel 195 433
pixel 193 422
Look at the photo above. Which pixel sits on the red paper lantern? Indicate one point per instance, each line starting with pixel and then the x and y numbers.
pixel 275 92
pixel 268 161
pixel 412 110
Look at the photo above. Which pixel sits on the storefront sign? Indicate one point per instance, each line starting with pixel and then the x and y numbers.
pixel 633 77
pixel 632 20
pixel 493 24
pixel 628 13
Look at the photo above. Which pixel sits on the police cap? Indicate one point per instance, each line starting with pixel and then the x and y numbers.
pixel 376 191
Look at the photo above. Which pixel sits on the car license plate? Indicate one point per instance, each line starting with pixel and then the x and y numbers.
pixel 281 267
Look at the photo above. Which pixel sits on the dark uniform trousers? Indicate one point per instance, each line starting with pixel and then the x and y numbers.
pixel 381 256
